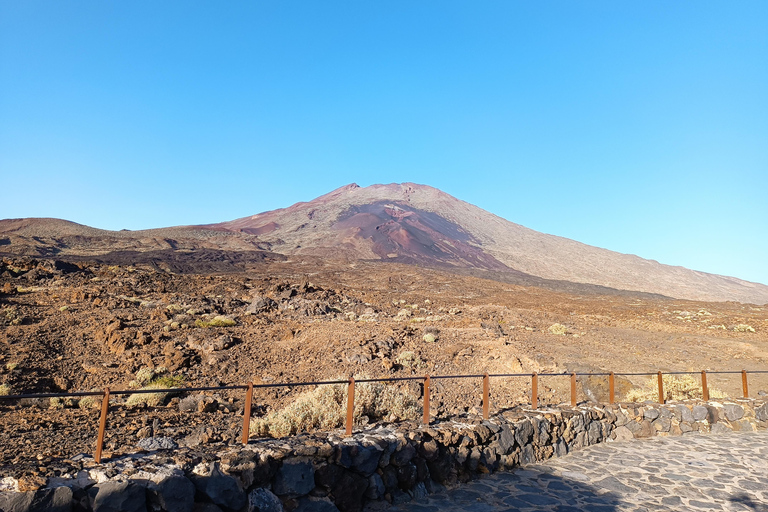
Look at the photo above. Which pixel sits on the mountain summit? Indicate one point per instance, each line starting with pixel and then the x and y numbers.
pixel 405 223
pixel 398 222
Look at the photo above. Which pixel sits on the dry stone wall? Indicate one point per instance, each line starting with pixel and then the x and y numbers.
pixel 383 464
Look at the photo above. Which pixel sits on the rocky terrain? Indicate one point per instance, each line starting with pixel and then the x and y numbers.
pixel 80 324
pixel 397 223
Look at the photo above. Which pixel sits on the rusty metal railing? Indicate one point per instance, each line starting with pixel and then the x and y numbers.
pixel 351 383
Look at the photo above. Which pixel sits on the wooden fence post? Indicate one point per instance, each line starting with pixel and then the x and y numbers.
pixel 486 395
pixel 534 391
pixel 661 389
pixel 350 404
pixel 744 383
pixel 611 388
pixel 573 389
pixel 247 413
pixel 102 426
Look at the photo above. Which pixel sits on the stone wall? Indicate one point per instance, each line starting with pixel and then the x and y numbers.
pixel 375 467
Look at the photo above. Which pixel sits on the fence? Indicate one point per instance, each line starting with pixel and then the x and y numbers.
pixel 249 387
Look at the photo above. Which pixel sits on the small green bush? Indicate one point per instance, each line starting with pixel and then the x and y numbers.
pixel 146 375
pixel 62 402
pixel 12 315
pixel 169 381
pixel 153 378
pixel 409 359
pixel 89 402
pixel 151 399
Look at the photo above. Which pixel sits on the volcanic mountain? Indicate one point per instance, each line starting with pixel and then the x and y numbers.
pixel 406 223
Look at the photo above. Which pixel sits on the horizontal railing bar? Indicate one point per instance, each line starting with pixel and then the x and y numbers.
pixel 296 384
pixel 729 372
pixel 167 390
pixel 390 379
pixel 172 390
pixel 51 395
pixel 478 376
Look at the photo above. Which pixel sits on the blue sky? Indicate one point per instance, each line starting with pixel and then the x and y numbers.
pixel 641 127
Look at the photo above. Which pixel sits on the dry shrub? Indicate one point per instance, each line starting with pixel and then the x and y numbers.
pixel 89 402
pixel 217 321
pixel 744 328
pixel 57 402
pixel 409 359
pixel 151 399
pixel 5 390
pixel 143 376
pixel 158 375
pixel 676 387
pixel 149 378
pixel 558 329
pixel 325 409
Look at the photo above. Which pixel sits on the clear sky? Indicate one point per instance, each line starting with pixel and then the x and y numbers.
pixel 638 126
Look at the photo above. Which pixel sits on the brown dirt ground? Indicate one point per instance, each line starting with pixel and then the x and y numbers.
pixel 86 325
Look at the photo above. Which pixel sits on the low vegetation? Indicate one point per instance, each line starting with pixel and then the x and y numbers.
pixel 89 402
pixel 5 389
pixel 325 408
pixel 150 379
pixel 56 402
pixel 558 329
pixel 676 387
pixel 217 321
pixel 12 316
pixel 409 359
pixel 86 402
pixel 431 334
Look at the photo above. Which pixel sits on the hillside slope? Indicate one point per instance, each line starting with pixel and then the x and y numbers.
pixel 420 224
